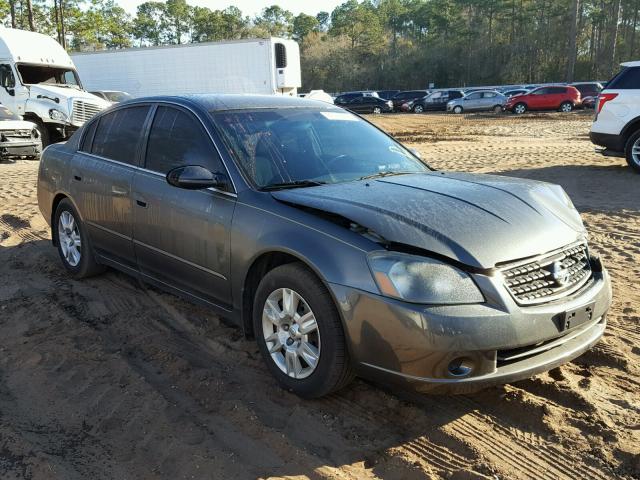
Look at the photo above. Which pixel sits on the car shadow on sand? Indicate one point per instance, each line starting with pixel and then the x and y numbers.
pixel 591 187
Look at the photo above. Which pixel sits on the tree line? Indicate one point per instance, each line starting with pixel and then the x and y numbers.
pixel 375 43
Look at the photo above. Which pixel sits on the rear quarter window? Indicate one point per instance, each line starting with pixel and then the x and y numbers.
pixel 628 78
pixel 118 134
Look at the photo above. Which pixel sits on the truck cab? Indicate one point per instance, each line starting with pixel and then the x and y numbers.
pixel 39 82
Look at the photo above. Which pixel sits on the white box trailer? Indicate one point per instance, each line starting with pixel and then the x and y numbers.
pixel 262 66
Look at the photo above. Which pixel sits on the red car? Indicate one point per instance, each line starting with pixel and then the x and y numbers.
pixel 562 98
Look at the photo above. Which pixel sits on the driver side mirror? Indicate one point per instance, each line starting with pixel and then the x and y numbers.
pixel 10 90
pixel 195 177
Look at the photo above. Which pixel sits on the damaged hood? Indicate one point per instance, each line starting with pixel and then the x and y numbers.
pixel 479 220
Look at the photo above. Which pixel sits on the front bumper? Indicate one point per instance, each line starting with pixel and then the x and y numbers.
pixel 414 345
pixel 27 148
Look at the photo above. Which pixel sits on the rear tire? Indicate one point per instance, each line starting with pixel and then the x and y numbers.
pixel 632 151
pixel 566 107
pixel 377 110
pixel 73 242
pixel 519 108
pixel 332 369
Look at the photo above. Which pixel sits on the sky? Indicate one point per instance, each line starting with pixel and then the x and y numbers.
pixel 253 7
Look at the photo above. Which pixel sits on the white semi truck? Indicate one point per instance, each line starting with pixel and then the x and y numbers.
pixel 263 66
pixel 39 82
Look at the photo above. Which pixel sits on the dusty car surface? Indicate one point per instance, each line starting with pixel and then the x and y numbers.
pixel 18 138
pixel 331 243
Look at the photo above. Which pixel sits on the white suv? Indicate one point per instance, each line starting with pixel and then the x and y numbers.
pixel 616 126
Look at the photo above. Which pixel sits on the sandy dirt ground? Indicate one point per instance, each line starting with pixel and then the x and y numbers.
pixel 109 378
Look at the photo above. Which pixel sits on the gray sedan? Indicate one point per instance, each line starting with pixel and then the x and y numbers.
pixel 328 241
pixel 479 100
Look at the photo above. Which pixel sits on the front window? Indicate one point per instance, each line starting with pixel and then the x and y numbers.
pixel 48 75
pixel 286 146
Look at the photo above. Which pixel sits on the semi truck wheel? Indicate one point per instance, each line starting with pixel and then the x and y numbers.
pixel 43 131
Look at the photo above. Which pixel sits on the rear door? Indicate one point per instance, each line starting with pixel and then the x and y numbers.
pixel 101 180
pixel 539 99
pixel 473 101
pixel 181 236
pixel 357 105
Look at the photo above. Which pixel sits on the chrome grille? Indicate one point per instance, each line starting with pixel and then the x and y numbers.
pixel 16 133
pixel 83 111
pixel 549 276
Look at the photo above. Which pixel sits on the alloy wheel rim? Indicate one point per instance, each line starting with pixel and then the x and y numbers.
pixel 566 107
pixel 377 110
pixel 519 109
pixel 69 238
pixel 291 333
pixel 635 152
pixel 418 109
pixel 458 109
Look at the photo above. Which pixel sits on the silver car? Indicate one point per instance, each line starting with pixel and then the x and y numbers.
pixel 329 242
pixel 479 100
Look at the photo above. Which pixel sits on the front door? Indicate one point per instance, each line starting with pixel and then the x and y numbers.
pixel 181 237
pixel 101 179
pixel 11 97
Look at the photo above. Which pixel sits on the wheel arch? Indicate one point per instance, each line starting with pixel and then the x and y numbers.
pixel 629 129
pixel 262 264
pixel 57 198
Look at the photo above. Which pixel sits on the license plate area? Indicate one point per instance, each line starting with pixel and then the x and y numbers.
pixel 574 318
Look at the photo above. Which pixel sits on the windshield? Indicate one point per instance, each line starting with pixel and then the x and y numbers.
pixel 6 114
pixel 117 96
pixel 288 146
pixel 42 74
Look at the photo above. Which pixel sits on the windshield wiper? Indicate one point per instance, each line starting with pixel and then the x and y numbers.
pixel 384 174
pixel 293 184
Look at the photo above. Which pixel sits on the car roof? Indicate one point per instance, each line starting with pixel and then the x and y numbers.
pixel 635 63
pixel 219 102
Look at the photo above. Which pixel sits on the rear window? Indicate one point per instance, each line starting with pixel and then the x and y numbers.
pixel 628 78
pixel 118 133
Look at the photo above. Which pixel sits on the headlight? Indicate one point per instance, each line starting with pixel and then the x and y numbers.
pixel 57 115
pixel 422 280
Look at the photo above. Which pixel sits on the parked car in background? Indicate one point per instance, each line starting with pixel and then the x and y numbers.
pixel 435 101
pixel 616 126
pixel 113 96
pixel 369 105
pixel 18 138
pixel 329 242
pixel 486 100
pixel 589 102
pixel 346 97
pixel 406 96
pixel 588 89
pixel 562 98
pixel 387 94
pixel 519 91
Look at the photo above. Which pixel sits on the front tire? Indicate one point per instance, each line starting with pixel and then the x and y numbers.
pixel 632 151
pixel 299 332
pixel 457 109
pixel 43 132
pixel 418 109
pixel 72 240
pixel 566 107
pixel 519 108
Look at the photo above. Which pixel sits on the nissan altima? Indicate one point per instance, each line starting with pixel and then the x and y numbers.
pixel 333 245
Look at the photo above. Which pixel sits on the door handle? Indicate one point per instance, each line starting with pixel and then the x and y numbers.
pixel 141 203
pixel 77 178
pixel 119 190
